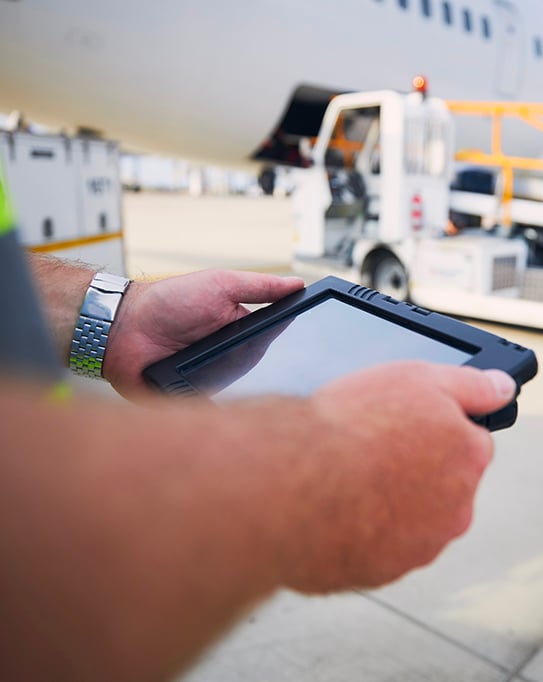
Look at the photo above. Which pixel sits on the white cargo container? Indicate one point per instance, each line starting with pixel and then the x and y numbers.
pixel 42 177
pixel 99 186
pixel 67 195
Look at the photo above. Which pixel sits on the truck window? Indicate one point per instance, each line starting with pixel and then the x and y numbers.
pixel 349 136
pixel 425 150
pixel 414 147
pixel 435 149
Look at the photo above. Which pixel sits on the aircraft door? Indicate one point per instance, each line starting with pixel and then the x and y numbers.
pixel 508 39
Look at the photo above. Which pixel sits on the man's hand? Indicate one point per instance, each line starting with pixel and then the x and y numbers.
pixel 395 479
pixel 157 319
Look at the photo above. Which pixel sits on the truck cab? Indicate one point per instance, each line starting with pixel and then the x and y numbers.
pixel 378 181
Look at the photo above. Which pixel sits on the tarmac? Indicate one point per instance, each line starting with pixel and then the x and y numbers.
pixel 475 614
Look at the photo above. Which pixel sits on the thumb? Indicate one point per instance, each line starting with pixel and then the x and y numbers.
pixel 479 391
pixel 255 287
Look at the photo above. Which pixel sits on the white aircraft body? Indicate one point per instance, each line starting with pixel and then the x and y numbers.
pixel 212 80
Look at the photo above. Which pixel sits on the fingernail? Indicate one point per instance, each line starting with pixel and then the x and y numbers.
pixel 504 384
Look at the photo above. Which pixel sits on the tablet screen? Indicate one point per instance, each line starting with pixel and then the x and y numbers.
pixel 298 355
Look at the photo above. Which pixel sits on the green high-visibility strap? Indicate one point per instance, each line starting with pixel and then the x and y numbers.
pixel 26 347
pixel 7 214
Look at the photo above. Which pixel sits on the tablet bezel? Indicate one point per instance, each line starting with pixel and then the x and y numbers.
pixel 488 350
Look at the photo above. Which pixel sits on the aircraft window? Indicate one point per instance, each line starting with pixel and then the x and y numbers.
pixel 447 13
pixel 466 20
pixel 426 8
pixel 404 4
pixel 538 47
pixel 485 27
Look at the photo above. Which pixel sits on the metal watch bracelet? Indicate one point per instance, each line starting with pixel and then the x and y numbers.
pixel 91 332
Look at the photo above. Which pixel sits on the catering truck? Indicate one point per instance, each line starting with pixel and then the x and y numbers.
pixel 376 204
pixel 67 195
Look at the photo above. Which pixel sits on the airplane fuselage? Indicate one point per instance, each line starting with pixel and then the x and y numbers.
pixel 210 80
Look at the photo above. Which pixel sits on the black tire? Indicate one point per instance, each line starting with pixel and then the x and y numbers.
pixel 266 180
pixel 389 277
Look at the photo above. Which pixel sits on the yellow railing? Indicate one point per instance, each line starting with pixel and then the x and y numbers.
pixel 528 112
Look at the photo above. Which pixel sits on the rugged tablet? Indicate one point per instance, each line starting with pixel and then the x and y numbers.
pixel 329 329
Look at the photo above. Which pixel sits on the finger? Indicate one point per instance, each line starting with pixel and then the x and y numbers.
pixel 477 391
pixel 256 287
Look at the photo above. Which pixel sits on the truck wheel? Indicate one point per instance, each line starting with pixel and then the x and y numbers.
pixel 389 277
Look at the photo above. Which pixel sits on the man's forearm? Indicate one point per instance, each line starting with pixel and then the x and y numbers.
pixel 130 537
pixel 61 286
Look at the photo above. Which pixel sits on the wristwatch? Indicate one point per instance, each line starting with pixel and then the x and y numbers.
pixel 91 332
